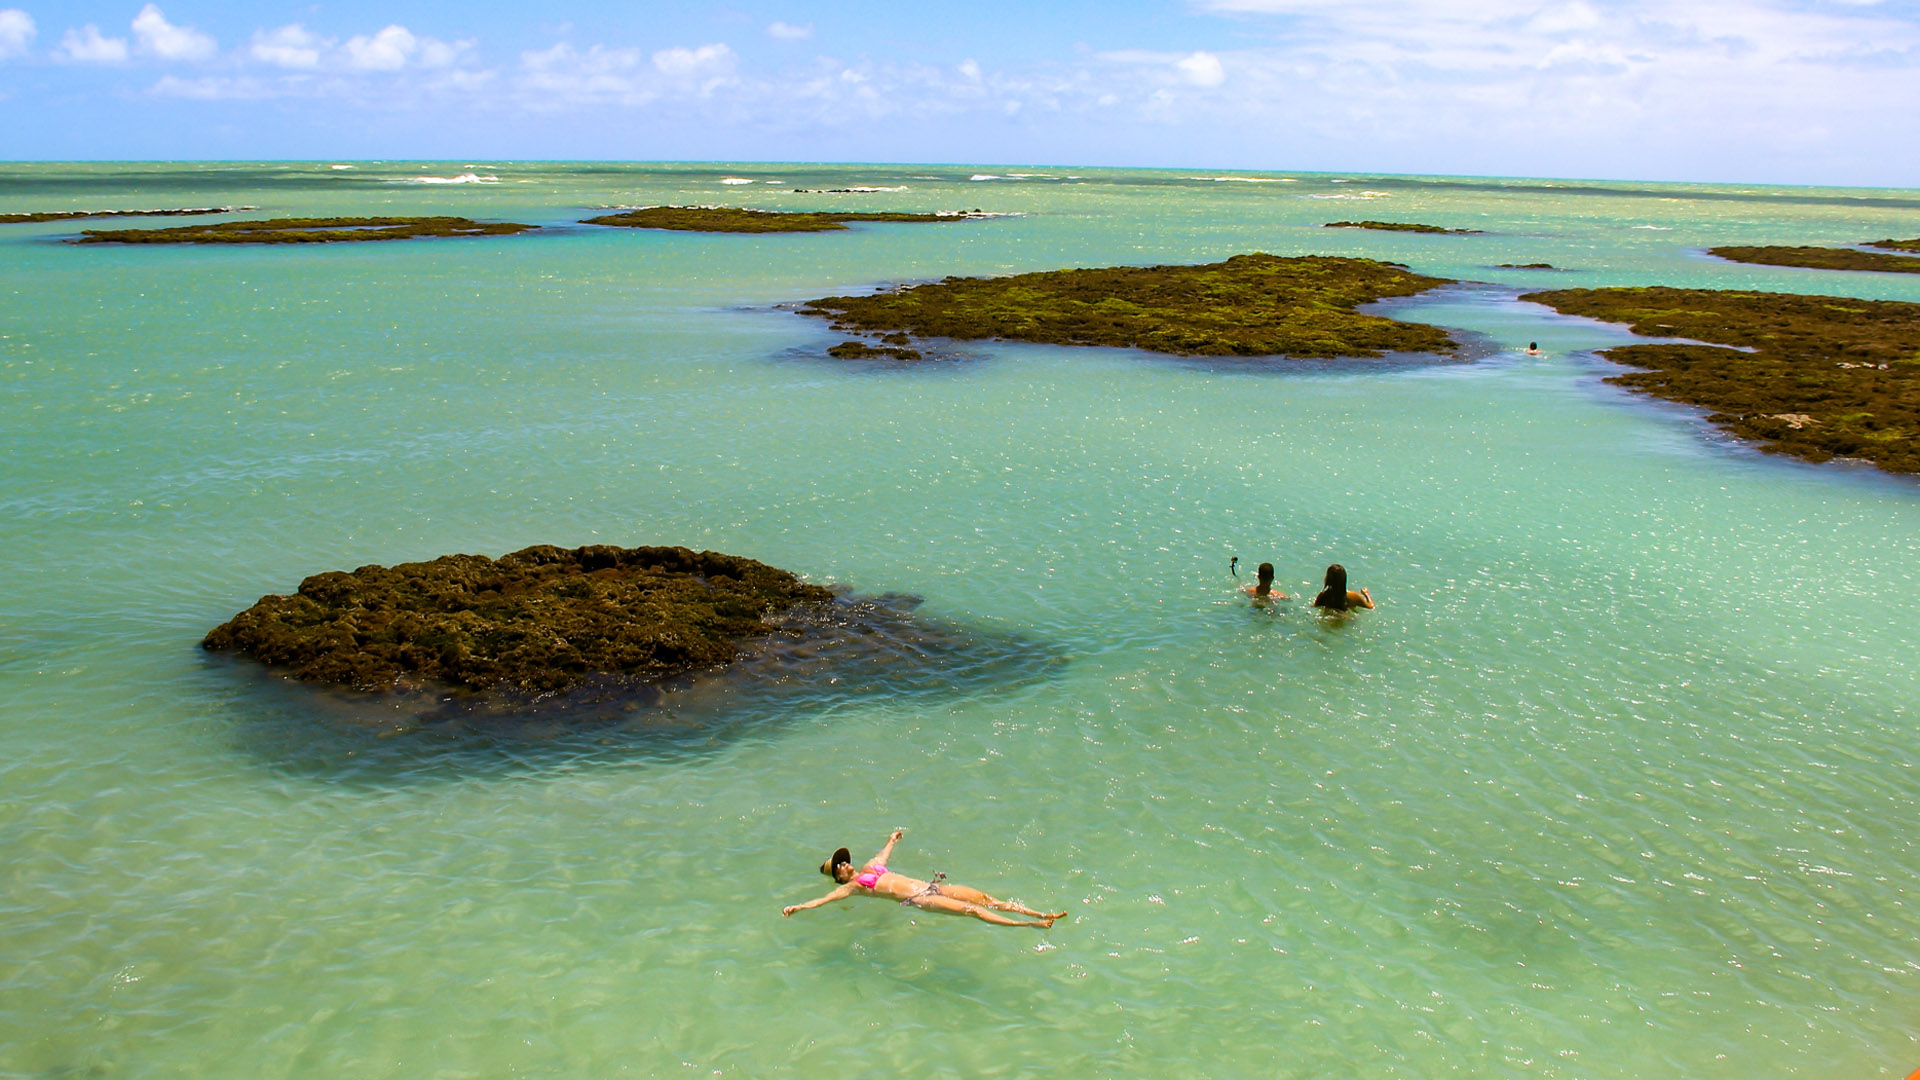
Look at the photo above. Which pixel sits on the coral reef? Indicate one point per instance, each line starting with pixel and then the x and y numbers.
pixel 734 220
pixel 1823 258
pixel 543 618
pixel 1826 376
pixel 1400 226
pixel 1249 305
pixel 304 231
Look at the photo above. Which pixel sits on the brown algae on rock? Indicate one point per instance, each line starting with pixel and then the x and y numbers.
pixel 1827 376
pixel 735 220
pixel 1824 258
pixel 540 619
pixel 305 231
pixel 1400 226
pixel 860 350
pixel 1912 245
pixel 1249 305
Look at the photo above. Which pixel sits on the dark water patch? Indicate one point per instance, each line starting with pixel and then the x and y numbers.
pixel 822 657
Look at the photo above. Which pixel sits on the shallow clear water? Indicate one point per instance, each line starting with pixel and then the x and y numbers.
pixel 1617 782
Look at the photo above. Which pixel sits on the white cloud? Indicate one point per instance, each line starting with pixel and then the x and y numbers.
pixel 789 31
pixel 707 61
pixel 211 88
pixel 1202 69
pixel 396 47
pixel 16 32
pixel 87 46
pixel 970 68
pixel 291 46
pixel 387 50
pixel 154 35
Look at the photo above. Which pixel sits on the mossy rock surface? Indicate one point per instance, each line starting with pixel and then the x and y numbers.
pixel 1912 245
pixel 860 350
pixel 731 220
pixel 1525 266
pixel 1823 258
pixel 543 618
pixel 1400 226
pixel 73 215
pixel 1828 376
pixel 305 231
pixel 1249 305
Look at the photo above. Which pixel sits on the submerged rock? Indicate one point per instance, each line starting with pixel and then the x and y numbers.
pixel 541 619
pixel 860 350
pixel 1816 377
pixel 1249 305
pixel 305 231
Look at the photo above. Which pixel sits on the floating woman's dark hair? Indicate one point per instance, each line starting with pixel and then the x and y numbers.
pixel 1334 596
pixel 834 862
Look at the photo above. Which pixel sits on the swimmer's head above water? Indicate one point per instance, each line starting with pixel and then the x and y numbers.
pixel 839 866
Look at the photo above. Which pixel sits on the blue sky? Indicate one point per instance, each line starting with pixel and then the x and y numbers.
pixel 1807 91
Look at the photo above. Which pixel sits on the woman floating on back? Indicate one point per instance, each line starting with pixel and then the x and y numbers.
pixel 1337 597
pixel 874 879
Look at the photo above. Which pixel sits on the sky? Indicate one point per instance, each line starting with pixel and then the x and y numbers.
pixel 1756 91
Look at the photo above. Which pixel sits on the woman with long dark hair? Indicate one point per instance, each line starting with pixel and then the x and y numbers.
pixel 1337 597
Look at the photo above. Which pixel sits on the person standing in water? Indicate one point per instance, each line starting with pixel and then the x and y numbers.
pixel 1337 597
pixel 874 879
pixel 1263 591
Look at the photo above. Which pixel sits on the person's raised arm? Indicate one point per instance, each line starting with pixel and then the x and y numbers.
pixel 840 893
pixel 1366 598
pixel 886 853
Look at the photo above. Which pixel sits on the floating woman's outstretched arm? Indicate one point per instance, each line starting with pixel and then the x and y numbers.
pixel 886 852
pixel 840 893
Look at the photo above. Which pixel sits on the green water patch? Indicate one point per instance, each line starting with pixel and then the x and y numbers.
pixel 1249 305
pixel 1400 226
pixel 75 215
pixel 726 219
pixel 330 230
pixel 540 619
pixel 1823 258
pixel 1814 377
pixel 1912 245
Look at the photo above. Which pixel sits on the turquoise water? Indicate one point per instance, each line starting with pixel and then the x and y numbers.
pixel 1617 782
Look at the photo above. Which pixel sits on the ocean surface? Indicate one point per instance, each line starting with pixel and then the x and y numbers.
pixel 1618 781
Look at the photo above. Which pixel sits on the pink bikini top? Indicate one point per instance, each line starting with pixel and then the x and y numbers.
pixel 870 876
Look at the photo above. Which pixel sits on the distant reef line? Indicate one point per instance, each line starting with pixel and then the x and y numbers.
pixel 726 219
pixel 331 230
pixel 75 215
